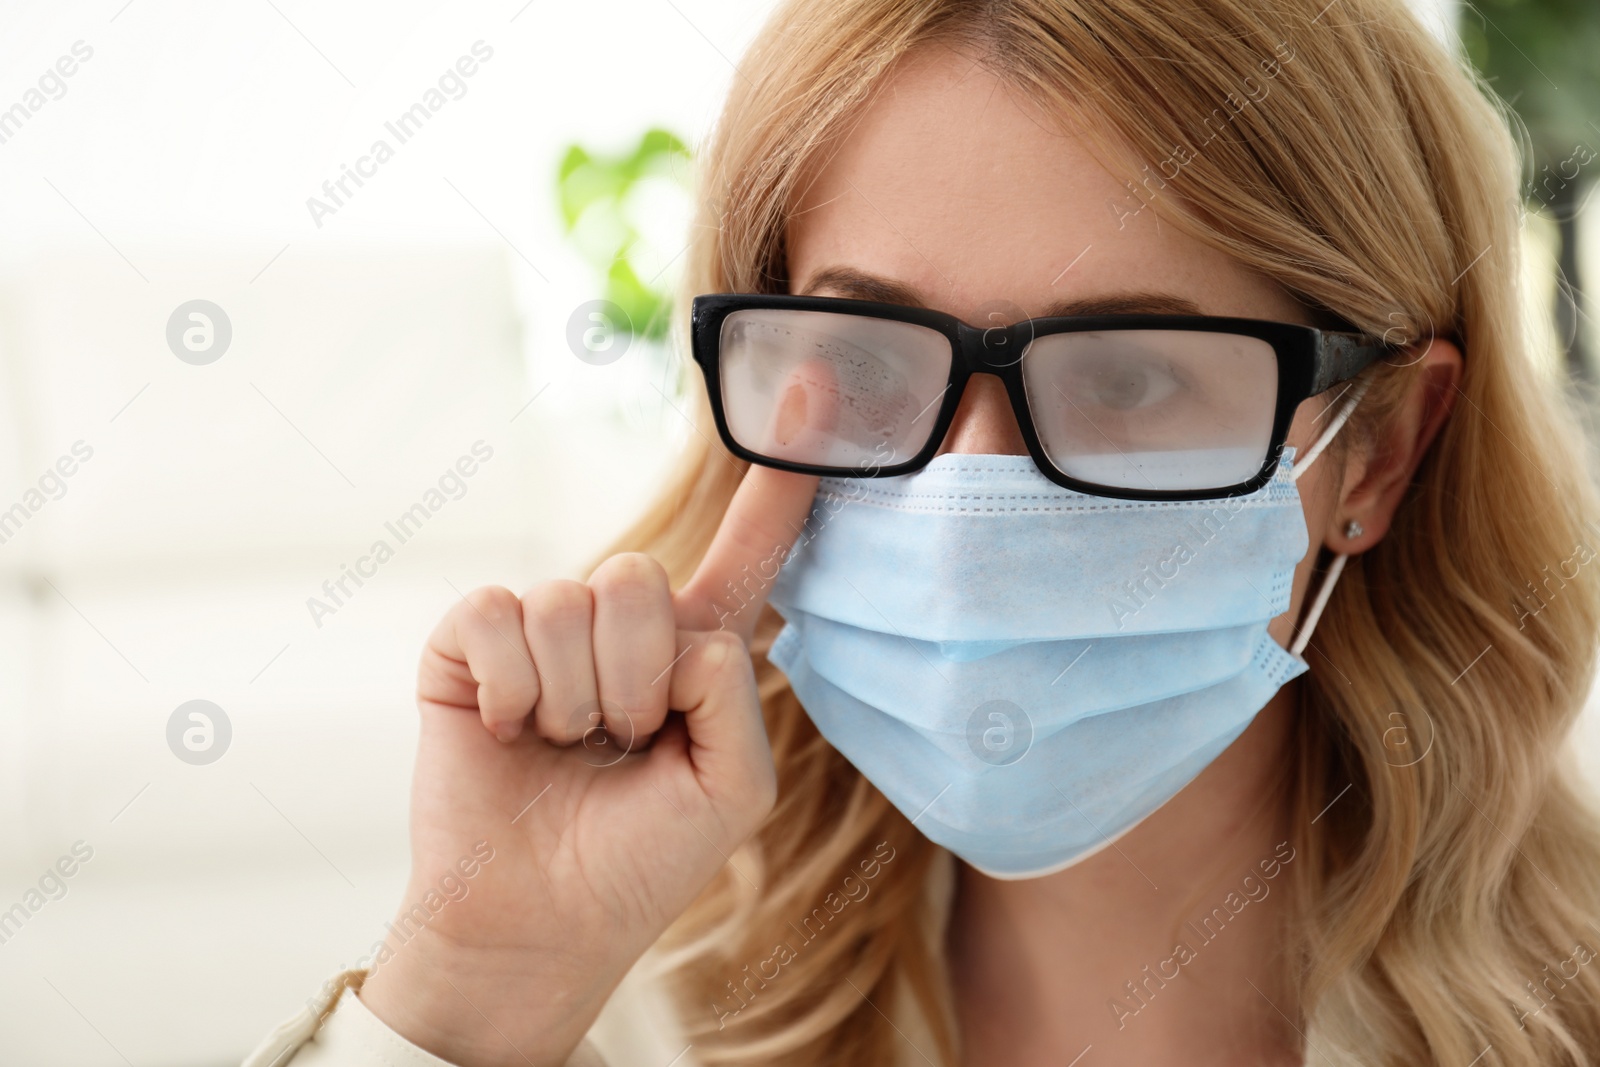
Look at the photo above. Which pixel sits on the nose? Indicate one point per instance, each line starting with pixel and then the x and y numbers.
pixel 984 421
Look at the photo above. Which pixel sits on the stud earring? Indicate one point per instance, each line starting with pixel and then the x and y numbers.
pixel 1353 530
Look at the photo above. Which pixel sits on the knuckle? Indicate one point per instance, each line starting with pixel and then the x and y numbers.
pixel 560 604
pixel 630 576
pixel 494 602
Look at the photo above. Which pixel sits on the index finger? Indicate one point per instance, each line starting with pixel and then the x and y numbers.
pixel 762 522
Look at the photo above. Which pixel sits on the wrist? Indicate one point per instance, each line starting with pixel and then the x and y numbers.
pixel 479 1007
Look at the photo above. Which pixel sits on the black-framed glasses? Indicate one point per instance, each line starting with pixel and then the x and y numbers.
pixel 1139 407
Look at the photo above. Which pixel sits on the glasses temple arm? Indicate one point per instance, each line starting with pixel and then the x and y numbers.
pixel 1342 356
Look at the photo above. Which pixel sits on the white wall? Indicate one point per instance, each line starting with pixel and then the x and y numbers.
pixel 368 354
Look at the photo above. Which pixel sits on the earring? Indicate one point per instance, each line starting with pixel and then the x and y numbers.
pixel 1353 530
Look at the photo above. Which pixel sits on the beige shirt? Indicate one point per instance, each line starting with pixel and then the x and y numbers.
pixel 638 1025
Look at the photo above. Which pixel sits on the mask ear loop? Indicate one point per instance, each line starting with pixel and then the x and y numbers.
pixel 1357 391
pixel 1313 613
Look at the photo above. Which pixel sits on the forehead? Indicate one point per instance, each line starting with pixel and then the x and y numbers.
pixel 954 184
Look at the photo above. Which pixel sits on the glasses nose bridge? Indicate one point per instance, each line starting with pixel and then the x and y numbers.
pixel 991 349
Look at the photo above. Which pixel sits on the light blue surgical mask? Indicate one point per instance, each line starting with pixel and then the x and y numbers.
pixel 1028 672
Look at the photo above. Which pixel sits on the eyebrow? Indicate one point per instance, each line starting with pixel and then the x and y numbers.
pixel 856 284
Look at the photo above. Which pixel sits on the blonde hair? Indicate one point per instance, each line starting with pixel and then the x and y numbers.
pixel 1349 156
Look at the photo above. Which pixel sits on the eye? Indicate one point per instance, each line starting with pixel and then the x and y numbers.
pixel 1124 384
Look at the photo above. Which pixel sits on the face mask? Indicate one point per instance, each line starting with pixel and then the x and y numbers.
pixel 1028 672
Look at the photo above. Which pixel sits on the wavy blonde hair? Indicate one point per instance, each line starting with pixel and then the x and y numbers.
pixel 1375 177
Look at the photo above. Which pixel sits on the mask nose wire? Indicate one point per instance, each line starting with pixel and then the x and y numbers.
pixel 1314 612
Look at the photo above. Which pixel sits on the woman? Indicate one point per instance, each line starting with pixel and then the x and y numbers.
pixel 1267 848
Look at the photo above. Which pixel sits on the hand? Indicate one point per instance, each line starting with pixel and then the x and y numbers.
pixel 597 839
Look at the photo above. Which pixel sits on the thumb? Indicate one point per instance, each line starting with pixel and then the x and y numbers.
pixel 760 527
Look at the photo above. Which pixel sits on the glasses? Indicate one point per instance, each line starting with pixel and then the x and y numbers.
pixel 1138 407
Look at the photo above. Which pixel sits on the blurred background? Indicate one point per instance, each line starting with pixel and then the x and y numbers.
pixel 241 344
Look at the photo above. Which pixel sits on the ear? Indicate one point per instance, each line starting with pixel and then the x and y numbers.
pixel 1376 478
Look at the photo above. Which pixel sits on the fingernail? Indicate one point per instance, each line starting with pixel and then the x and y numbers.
pixel 508 731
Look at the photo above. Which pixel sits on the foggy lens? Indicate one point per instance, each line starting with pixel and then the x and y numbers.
pixel 1153 409
pixel 828 389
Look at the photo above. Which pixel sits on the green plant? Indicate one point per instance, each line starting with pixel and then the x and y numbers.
pixel 600 211
pixel 1543 58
